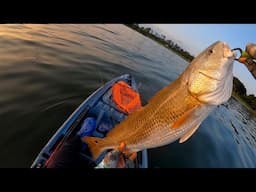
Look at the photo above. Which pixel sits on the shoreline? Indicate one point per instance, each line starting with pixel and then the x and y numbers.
pixel 178 52
pixel 242 102
pixel 170 45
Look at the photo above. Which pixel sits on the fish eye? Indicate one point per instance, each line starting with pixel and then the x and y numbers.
pixel 210 51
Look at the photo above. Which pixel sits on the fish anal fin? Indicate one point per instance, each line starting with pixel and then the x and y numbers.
pixel 181 120
pixel 189 134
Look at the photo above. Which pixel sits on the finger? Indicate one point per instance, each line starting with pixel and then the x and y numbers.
pixel 127 152
pixel 122 147
pixel 133 156
pixel 121 162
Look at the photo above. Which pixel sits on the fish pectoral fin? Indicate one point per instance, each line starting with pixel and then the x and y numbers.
pixel 181 120
pixel 189 134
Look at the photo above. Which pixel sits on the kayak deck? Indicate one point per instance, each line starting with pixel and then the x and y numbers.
pixel 100 107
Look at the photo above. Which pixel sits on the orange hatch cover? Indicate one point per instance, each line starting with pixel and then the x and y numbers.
pixel 125 97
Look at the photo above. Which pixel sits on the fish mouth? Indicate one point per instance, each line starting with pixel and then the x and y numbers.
pixel 208 76
pixel 228 53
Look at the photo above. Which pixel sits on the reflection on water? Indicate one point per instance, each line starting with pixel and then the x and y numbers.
pixel 46 71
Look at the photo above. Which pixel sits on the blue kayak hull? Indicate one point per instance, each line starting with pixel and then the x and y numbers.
pixel 98 105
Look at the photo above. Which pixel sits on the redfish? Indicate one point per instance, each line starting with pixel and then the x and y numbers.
pixel 176 111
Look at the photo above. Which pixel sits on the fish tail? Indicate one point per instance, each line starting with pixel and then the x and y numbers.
pixel 96 145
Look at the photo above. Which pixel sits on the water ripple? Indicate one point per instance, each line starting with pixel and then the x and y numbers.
pixel 46 71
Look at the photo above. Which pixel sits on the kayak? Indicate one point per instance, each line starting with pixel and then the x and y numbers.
pixel 96 116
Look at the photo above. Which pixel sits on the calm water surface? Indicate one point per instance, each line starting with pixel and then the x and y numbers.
pixel 46 71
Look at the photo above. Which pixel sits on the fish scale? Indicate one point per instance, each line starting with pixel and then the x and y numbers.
pixel 177 110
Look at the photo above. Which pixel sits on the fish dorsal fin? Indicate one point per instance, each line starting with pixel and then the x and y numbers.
pixel 188 134
pixel 181 120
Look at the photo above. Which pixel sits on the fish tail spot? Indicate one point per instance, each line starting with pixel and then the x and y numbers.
pixel 96 146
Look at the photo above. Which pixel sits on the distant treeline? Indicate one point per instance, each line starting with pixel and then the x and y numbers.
pixel 162 40
pixel 240 90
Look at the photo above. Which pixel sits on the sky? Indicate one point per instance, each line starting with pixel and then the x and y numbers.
pixel 196 37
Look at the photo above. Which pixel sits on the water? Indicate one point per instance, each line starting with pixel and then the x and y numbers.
pixel 46 71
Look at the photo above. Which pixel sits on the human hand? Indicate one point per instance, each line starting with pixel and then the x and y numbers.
pixel 251 50
pixel 119 158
